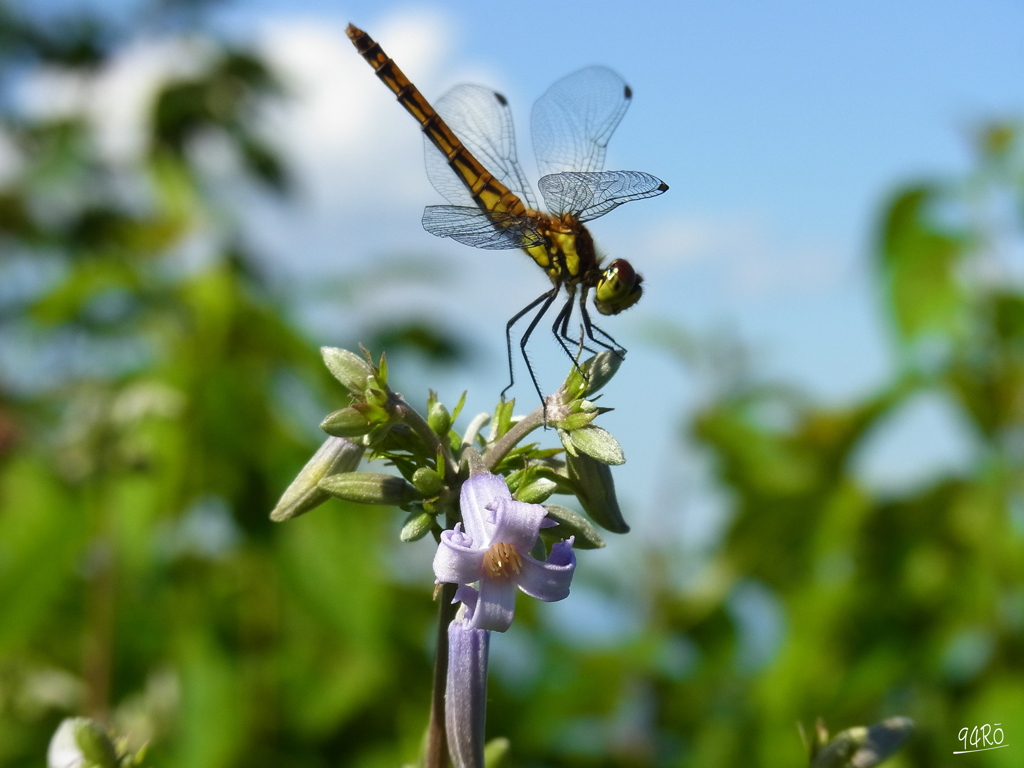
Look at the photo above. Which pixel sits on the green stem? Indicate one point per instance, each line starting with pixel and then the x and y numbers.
pixel 500 448
pixel 437 739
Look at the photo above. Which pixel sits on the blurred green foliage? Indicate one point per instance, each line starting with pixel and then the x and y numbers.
pixel 147 426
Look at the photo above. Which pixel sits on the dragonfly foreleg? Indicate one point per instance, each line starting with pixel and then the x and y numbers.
pixel 545 299
pixel 591 327
pixel 560 329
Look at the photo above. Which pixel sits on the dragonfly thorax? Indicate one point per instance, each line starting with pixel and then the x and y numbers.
pixel 568 256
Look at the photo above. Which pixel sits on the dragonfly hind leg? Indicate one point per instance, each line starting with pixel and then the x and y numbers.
pixel 545 300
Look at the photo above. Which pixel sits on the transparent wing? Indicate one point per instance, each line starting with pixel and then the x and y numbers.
pixel 482 120
pixel 574 119
pixel 480 229
pixel 589 195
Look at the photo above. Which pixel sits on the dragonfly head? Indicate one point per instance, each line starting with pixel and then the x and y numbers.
pixel 618 288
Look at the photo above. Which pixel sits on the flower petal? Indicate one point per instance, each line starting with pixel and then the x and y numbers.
pixel 456 561
pixel 496 606
pixel 549 581
pixel 517 523
pixel 478 493
pixel 466 693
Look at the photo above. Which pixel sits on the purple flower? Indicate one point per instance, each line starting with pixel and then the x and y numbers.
pixel 492 549
pixel 466 693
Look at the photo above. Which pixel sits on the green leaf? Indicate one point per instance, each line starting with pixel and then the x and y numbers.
pixel 920 261
pixel 571 523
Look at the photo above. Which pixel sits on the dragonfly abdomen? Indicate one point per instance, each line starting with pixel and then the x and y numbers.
pixel 489 193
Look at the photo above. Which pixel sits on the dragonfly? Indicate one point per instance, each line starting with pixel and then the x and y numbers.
pixel 472 162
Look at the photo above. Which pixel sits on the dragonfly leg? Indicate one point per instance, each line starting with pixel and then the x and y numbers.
pixel 560 329
pixel 591 327
pixel 545 299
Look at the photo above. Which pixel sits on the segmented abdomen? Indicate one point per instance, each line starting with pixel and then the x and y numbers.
pixel 489 193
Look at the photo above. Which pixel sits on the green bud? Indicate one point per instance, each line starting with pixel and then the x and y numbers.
pixel 596 442
pixel 535 491
pixel 416 526
pixel 438 418
pixel 427 482
pixel 571 523
pixel 350 369
pixel 595 489
pixel 335 455
pixel 370 488
pixel 600 369
pixel 348 422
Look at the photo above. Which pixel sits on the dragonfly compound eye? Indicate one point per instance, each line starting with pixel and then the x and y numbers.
pixel 618 288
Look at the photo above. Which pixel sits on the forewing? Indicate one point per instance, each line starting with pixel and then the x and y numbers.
pixel 589 195
pixel 482 120
pixel 574 119
pixel 481 229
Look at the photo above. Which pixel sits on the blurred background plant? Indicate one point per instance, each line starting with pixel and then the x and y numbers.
pixel 155 396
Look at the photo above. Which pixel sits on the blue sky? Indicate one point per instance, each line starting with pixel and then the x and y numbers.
pixel 781 127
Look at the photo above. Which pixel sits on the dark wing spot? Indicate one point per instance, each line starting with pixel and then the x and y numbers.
pixel 627 92
pixel 501 99
pixel 662 187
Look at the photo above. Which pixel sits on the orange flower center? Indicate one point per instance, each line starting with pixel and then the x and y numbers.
pixel 502 561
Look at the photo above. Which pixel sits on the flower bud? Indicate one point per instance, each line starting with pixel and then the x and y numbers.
pixel 536 491
pixel 335 455
pixel 350 369
pixel 347 422
pixel 593 441
pixel 595 489
pixel 370 488
pixel 438 418
pixel 427 482
pixel 416 526
pixel 600 369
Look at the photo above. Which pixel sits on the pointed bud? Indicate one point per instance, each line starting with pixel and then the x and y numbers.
pixel 598 443
pixel 536 491
pixel 350 369
pixel 370 488
pixel 347 422
pixel 335 455
pixel 600 369
pixel 595 489
pixel 416 526
pixel 438 418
